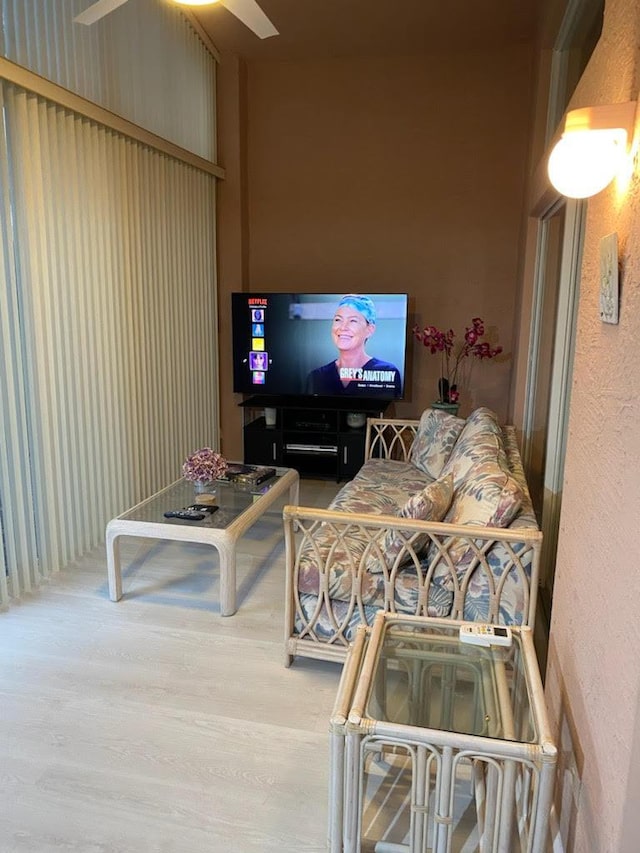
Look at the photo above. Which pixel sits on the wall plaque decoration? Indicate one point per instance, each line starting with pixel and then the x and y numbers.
pixel 609 284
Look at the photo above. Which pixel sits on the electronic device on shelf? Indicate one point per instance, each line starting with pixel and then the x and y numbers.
pixel 280 340
pixel 330 449
pixel 315 426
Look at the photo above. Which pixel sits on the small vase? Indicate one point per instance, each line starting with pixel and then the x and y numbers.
pixel 451 408
pixel 443 389
pixel 204 487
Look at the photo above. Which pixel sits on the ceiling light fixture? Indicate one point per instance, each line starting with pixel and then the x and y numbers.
pixel 592 150
pixel 247 11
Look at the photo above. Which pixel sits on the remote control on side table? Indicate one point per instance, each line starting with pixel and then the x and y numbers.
pixel 486 635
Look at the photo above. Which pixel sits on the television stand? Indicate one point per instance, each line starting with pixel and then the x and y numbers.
pixel 319 437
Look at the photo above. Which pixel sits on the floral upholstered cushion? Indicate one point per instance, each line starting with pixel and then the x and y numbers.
pixel 485 492
pixel 491 499
pixel 480 440
pixel 332 617
pixel 429 504
pixel 432 502
pixel 373 498
pixel 513 582
pixel 337 573
pixel 381 487
pixel 437 433
pixel 392 476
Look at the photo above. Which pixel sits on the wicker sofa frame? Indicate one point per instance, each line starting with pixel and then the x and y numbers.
pixel 392 439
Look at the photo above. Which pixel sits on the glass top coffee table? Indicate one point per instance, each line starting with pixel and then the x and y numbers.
pixel 239 507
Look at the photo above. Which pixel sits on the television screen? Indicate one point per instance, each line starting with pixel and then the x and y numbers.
pixel 324 345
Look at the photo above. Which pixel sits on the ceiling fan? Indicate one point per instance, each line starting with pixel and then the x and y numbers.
pixel 246 11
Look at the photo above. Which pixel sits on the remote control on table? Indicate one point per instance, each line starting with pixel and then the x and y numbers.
pixel 207 509
pixel 185 514
pixel 486 635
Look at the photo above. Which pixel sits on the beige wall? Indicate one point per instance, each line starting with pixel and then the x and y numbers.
pixel 593 677
pixel 403 175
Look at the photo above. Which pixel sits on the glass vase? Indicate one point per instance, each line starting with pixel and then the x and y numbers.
pixel 204 487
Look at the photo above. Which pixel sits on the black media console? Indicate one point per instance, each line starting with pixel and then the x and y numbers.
pixel 317 437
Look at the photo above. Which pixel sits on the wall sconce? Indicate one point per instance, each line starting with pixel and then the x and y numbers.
pixel 592 149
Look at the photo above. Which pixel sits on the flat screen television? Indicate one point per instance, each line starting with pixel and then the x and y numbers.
pixel 320 344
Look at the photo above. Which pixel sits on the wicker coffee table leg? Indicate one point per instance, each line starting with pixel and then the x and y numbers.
pixel 227 550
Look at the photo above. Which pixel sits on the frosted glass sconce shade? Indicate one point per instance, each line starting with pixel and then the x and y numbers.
pixel 592 150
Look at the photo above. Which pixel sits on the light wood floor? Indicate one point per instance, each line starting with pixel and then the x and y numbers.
pixel 154 724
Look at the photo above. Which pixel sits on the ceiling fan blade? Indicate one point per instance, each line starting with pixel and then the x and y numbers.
pixel 97 10
pixel 252 16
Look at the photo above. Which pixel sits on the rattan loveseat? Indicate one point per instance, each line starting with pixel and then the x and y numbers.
pixel 437 522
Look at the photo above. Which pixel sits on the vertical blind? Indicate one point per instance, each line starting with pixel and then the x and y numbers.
pixel 108 324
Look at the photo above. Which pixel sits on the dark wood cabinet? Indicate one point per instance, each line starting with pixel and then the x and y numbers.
pixel 262 444
pixel 350 453
pixel 318 438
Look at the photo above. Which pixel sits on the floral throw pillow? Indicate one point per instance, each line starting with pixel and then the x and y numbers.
pixel 437 433
pixel 493 500
pixel 430 504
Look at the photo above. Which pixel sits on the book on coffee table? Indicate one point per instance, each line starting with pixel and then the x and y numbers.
pixel 233 470
pixel 251 475
pixel 258 475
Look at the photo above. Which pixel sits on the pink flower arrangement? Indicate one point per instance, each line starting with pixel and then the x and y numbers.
pixel 451 360
pixel 205 465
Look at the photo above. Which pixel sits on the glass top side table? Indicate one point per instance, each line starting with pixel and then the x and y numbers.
pixel 420 712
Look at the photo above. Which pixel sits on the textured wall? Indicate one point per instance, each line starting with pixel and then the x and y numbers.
pixel 593 676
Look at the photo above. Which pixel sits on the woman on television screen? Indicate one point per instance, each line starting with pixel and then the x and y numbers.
pixel 354 371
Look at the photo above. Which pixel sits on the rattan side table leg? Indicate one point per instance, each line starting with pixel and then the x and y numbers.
pixel 336 791
pixel 351 814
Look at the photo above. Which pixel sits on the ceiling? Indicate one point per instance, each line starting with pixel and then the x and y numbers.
pixel 342 28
